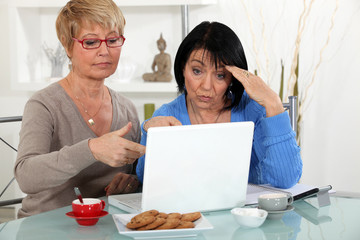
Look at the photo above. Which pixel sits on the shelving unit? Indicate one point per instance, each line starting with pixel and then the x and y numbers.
pixel 130 87
pixel 32 25
pixel 60 3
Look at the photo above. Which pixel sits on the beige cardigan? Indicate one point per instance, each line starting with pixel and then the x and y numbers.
pixel 53 153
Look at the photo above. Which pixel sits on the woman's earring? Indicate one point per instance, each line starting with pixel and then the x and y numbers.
pixel 229 92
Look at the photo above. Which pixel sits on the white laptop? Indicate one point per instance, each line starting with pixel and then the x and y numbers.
pixel 193 168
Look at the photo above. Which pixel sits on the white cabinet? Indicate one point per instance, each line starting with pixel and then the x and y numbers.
pixel 32 29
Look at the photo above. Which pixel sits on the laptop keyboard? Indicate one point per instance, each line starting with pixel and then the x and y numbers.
pixel 133 203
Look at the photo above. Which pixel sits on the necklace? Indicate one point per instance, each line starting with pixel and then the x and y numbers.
pixel 197 121
pixel 91 119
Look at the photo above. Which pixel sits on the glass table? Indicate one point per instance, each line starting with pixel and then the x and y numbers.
pixel 340 220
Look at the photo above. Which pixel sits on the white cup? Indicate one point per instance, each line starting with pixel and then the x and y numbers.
pixel 275 201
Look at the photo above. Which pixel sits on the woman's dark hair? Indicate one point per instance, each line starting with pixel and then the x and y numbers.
pixel 223 45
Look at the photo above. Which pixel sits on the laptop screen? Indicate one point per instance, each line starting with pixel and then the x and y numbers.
pixel 197 167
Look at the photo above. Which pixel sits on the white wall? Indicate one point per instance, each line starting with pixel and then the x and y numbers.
pixel 330 129
pixel 267 30
pixel 11 104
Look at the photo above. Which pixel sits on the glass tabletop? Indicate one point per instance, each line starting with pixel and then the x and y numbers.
pixel 337 221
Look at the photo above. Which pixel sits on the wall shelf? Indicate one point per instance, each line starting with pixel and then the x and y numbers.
pixel 144 87
pixel 128 87
pixel 32 26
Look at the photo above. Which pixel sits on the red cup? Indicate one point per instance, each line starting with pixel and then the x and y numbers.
pixel 91 207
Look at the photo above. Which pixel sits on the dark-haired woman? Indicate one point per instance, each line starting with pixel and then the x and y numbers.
pixel 211 73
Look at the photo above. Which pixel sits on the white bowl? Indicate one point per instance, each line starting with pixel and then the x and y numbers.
pixel 249 217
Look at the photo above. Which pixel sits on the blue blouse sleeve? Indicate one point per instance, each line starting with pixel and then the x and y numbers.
pixel 276 156
pixel 162 111
pixel 141 161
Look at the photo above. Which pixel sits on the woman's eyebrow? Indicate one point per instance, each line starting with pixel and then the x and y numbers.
pixel 113 32
pixel 198 61
pixel 96 35
pixel 221 66
pixel 89 35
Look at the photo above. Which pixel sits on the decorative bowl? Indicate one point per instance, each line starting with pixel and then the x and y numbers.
pixel 249 217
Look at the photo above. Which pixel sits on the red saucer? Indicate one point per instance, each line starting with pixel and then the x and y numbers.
pixel 87 221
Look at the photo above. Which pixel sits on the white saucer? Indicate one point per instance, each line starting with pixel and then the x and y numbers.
pixel 279 214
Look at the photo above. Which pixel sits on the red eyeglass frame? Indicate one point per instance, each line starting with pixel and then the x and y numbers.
pixel 101 41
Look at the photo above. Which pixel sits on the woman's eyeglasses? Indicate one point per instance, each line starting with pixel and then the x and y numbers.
pixel 93 43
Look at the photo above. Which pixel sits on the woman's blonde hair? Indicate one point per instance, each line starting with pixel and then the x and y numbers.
pixel 76 12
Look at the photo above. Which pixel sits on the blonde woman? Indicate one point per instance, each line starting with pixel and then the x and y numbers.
pixel 78 132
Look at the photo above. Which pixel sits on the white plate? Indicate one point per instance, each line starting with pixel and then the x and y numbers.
pixel 201 225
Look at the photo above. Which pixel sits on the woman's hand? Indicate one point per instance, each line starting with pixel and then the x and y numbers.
pixel 258 91
pixel 161 121
pixel 122 183
pixel 114 150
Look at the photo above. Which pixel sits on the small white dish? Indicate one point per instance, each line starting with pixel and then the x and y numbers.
pixel 249 217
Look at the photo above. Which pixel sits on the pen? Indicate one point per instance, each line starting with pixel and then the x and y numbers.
pixel 312 192
pixel 306 194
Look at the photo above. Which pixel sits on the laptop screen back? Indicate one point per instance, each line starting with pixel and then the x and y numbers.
pixel 197 167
